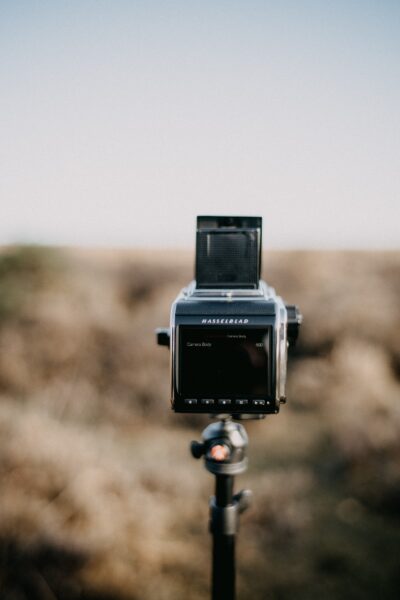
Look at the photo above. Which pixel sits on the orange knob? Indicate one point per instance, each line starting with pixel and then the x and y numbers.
pixel 219 452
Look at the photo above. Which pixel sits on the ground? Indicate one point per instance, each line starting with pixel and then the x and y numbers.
pixel 100 498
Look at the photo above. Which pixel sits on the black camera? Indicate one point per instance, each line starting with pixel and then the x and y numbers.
pixel 229 332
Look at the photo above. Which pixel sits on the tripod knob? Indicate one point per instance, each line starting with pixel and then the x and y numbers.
pixel 197 449
pixel 219 452
pixel 244 499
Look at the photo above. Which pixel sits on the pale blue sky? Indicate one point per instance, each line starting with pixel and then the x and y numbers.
pixel 121 121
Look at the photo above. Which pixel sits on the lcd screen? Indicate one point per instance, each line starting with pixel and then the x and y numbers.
pixel 224 362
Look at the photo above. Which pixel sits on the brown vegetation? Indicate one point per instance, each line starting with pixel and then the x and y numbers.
pixel 99 496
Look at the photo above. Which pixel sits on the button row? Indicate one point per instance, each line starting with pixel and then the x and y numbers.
pixel 227 402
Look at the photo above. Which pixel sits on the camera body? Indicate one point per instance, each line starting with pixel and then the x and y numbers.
pixel 229 331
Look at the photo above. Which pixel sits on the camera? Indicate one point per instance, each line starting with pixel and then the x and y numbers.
pixel 229 331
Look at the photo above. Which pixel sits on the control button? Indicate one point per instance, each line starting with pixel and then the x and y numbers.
pixel 191 401
pixel 224 402
pixel 207 401
pixel 258 402
pixel 242 401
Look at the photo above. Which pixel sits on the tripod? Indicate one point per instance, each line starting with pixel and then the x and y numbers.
pixel 223 446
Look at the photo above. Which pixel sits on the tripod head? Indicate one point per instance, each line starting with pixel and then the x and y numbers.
pixel 223 445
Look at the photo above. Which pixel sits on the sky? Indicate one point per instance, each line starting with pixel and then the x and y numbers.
pixel 121 121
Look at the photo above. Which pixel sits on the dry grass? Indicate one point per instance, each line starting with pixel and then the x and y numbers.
pixel 99 496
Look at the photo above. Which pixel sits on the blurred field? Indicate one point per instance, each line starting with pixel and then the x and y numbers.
pixel 100 498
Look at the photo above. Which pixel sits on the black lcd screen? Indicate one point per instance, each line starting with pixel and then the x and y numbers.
pixel 219 362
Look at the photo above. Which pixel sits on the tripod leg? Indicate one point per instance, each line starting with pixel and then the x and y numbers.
pixel 223 580
pixel 223 567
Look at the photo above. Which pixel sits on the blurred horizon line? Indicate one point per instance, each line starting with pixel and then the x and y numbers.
pixel 186 249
